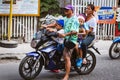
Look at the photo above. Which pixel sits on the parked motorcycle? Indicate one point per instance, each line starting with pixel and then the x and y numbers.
pixel 49 53
pixel 114 50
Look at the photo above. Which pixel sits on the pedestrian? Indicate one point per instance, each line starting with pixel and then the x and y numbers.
pixel 71 28
pixel 92 23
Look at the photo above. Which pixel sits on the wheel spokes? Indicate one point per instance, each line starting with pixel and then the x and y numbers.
pixel 87 66
pixel 30 68
pixel 116 50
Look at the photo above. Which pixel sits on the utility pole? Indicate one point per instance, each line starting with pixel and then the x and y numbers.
pixel 10 21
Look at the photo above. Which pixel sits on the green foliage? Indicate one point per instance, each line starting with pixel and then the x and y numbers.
pixel 49 7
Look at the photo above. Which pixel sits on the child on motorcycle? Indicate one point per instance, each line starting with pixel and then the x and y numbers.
pixel 57 27
pixel 81 35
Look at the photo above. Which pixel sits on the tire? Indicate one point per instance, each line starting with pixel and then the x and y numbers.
pixel 91 63
pixel 25 68
pixel 114 51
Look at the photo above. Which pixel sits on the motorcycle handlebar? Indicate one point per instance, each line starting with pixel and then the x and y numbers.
pixel 49 34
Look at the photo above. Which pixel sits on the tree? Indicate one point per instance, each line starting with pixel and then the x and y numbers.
pixel 49 7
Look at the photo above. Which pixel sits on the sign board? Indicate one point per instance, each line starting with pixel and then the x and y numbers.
pixel 106 15
pixel 20 7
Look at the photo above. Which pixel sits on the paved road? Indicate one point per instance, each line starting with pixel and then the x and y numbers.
pixel 106 69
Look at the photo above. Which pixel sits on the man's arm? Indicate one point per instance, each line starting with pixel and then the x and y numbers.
pixel 68 34
pixel 52 25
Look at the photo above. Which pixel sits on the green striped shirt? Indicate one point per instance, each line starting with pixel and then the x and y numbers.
pixel 71 24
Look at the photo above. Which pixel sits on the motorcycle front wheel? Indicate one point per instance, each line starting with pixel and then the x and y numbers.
pixel 114 51
pixel 29 67
pixel 89 66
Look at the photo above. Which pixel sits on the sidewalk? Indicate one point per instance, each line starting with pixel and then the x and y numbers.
pixel 16 53
pixel 19 52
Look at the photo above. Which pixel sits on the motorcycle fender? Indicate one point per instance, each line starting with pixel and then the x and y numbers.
pixel 116 40
pixel 32 54
pixel 36 55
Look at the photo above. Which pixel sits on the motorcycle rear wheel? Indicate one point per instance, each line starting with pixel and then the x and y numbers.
pixel 114 51
pixel 91 63
pixel 26 69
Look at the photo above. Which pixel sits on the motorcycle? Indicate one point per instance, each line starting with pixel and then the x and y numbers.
pixel 114 50
pixel 49 53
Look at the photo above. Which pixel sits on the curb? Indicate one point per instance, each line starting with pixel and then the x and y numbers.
pixel 8 44
pixel 15 56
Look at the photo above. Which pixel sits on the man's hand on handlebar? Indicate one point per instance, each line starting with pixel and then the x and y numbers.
pixel 44 26
pixel 51 29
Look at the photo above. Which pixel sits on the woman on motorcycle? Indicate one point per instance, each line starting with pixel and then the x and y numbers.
pixel 92 23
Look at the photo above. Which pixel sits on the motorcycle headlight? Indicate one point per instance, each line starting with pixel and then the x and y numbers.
pixel 34 43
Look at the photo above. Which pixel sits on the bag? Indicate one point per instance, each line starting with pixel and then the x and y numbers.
pixel 69 44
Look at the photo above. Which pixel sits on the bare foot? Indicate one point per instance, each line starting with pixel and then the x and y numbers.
pixel 84 61
pixel 65 78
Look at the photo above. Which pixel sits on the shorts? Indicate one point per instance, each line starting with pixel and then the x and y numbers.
pixel 67 52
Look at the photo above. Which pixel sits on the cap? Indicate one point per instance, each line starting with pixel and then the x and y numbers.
pixel 69 6
pixel 60 22
pixel 81 17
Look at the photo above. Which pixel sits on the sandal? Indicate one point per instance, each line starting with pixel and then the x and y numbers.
pixel 55 71
pixel 79 62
